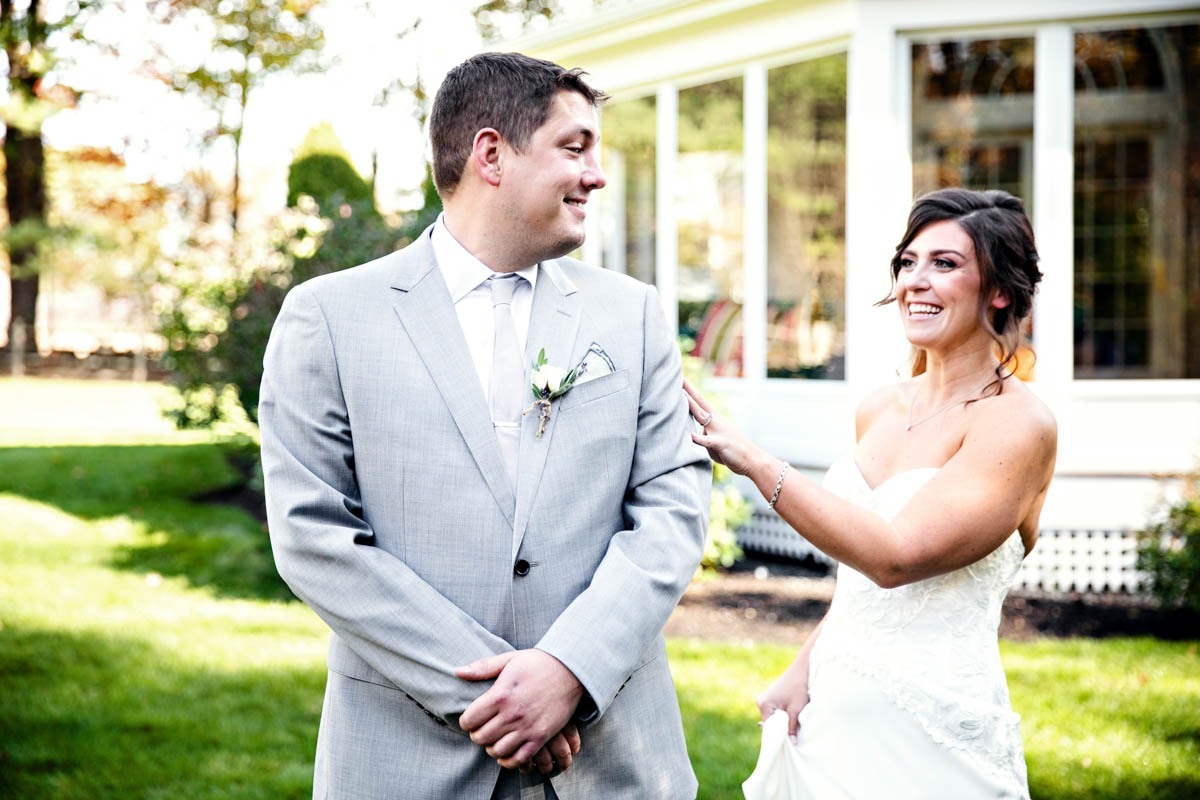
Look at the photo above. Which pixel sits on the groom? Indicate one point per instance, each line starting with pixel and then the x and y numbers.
pixel 496 578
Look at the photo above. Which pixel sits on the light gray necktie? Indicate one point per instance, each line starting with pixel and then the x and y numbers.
pixel 510 388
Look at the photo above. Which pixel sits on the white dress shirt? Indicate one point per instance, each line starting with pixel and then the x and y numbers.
pixel 466 277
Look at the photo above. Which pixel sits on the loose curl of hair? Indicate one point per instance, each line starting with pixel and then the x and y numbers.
pixel 1006 255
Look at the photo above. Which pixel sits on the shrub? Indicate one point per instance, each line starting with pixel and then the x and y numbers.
pixel 1169 551
pixel 322 170
pixel 728 509
pixel 216 327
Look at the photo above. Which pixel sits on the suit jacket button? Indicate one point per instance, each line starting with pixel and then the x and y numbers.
pixel 521 568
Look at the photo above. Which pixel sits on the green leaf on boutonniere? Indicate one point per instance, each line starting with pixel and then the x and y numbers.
pixel 548 383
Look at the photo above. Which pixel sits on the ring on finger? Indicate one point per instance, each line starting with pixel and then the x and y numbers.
pixel 704 422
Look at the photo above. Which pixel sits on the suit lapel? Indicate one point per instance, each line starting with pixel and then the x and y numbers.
pixel 426 311
pixel 553 325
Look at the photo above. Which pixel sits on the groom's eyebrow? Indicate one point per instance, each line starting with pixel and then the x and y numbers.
pixel 583 132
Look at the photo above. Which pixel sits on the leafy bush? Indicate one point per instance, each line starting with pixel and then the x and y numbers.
pixel 728 510
pixel 216 327
pixel 322 170
pixel 1169 551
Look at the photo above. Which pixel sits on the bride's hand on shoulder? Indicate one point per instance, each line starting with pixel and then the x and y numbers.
pixel 725 444
pixel 789 692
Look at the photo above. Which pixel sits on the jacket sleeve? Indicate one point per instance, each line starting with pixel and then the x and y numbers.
pixel 603 635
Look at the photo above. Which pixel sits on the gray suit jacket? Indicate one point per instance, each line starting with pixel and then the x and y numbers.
pixel 391 516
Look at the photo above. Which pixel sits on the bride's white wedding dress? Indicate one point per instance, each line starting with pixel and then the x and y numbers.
pixel 908 695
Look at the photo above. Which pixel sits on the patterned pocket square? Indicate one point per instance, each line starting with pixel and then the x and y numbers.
pixel 595 364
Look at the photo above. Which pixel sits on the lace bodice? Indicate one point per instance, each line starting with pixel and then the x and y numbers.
pixel 930 645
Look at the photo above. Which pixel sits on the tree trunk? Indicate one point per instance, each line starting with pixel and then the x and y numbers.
pixel 25 173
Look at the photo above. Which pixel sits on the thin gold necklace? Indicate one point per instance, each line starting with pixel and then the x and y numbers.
pixel 964 398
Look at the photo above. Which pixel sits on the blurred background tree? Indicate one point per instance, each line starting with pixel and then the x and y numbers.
pixel 217 328
pixel 29 36
pixel 248 41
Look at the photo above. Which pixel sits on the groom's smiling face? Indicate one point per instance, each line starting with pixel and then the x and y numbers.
pixel 545 187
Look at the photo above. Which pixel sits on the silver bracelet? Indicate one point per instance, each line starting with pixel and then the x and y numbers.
pixel 779 485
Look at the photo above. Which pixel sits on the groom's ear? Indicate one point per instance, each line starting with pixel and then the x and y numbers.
pixel 485 155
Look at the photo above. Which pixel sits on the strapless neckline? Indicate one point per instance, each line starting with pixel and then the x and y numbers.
pixel 853 464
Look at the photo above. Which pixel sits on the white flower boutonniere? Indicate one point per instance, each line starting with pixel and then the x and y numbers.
pixel 549 383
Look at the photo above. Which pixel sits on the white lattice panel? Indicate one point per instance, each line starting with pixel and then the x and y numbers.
pixel 1082 561
pixel 766 532
pixel 1062 561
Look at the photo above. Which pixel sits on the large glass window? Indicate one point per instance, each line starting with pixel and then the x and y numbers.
pixel 806 219
pixel 627 205
pixel 1137 203
pixel 708 212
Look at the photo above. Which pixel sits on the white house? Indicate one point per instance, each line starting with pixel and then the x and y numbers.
pixel 762 156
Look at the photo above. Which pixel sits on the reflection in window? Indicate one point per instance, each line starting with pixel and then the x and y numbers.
pixel 806 219
pixel 972 115
pixel 627 205
pixel 1137 214
pixel 708 212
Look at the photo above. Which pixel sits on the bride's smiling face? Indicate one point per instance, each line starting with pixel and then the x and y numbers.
pixel 937 287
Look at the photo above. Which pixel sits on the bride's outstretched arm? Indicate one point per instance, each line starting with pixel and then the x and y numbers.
pixel 790 690
pixel 966 510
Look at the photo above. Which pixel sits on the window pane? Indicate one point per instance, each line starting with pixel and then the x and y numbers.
pixel 972 115
pixel 1137 218
pixel 806 219
pixel 627 204
pixel 708 211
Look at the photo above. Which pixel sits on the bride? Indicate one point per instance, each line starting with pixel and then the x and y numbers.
pixel 899 692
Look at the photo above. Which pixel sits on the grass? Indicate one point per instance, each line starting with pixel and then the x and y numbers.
pixel 147 649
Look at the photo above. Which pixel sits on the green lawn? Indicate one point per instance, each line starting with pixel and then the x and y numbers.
pixel 147 649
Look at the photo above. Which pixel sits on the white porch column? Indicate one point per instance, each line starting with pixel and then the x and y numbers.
pixel 666 240
pixel 878 195
pixel 754 223
pixel 1053 210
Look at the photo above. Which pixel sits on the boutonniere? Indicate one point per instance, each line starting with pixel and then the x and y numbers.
pixel 549 383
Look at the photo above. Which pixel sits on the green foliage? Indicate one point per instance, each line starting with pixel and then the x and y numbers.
pixel 40 239
pixel 499 19
pixel 710 117
pixel 248 40
pixel 322 171
pixel 324 177
pixel 1169 551
pixel 431 206
pixel 217 329
pixel 728 510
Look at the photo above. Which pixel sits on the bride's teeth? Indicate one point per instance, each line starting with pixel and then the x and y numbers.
pixel 922 308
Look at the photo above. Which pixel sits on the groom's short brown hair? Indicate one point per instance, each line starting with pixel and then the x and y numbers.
pixel 510 92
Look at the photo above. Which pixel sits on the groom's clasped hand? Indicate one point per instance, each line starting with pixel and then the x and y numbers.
pixel 522 721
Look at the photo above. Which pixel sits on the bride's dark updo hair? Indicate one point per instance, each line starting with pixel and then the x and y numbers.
pixel 1006 254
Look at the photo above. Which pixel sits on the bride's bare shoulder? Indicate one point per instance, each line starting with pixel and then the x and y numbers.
pixel 1017 418
pixel 1020 402
pixel 882 400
